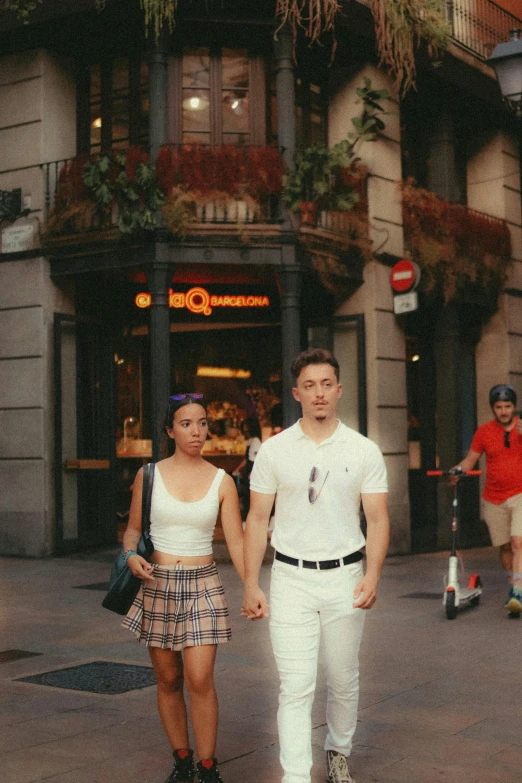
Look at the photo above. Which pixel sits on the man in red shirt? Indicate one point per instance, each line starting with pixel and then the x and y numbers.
pixel 501 441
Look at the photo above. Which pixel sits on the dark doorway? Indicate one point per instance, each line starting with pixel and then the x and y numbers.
pixel 84 444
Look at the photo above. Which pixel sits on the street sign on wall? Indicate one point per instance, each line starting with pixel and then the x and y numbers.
pixel 404 279
pixel 404 276
pixel 405 303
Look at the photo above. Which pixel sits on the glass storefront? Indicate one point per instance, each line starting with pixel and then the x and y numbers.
pixel 225 343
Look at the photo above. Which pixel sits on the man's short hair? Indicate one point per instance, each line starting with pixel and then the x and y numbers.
pixel 314 356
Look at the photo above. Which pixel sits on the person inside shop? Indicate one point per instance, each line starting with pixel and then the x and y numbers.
pixel 252 434
pixel 180 611
pixel 318 470
pixel 501 441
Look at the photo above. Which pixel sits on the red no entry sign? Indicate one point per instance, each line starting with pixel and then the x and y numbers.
pixel 404 275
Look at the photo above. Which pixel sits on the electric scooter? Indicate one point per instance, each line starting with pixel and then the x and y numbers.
pixel 457 597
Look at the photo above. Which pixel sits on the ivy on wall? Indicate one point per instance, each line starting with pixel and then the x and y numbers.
pixel 458 249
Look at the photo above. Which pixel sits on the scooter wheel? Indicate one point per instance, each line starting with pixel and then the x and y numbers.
pixel 451 609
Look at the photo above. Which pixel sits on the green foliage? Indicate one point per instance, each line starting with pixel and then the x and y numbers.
pixel 138 196
pixel 22 8
pixel 329 177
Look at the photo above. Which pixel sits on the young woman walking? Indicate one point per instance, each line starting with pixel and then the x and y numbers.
pixel 180 612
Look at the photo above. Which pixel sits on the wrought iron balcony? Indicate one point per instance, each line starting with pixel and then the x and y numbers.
pixel 479 25
pixel 199 186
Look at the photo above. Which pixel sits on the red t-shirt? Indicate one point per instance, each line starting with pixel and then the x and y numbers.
pixel 503 465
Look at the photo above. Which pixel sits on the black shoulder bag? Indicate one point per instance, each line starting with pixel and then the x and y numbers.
pixel 123 585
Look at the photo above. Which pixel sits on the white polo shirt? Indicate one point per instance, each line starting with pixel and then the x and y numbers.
pixel 330 527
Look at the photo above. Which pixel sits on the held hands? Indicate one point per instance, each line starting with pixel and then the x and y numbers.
pixel 365 593
pixel 140 567
pixel 255 606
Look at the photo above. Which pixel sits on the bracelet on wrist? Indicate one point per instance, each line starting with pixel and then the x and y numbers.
pixel 126 554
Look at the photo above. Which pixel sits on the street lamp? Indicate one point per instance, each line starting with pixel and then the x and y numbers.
pixel 507 62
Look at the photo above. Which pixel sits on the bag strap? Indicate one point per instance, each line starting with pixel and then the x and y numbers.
pixel 146 496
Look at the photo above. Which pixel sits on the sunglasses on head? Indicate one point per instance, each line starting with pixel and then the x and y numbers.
pixel 191 396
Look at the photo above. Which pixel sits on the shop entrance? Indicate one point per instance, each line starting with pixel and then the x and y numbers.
pixel 236 366
pixel 84 440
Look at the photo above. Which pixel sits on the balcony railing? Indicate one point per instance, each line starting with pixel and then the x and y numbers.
pixel 228 186
pixel 480 25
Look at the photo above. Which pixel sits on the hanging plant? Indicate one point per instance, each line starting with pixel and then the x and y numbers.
pixel 400 25
pixel 456 247
pixel 159 13
pixel 314 17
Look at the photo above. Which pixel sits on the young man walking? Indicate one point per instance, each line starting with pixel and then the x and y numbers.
pixel 501 441
pixel 318 471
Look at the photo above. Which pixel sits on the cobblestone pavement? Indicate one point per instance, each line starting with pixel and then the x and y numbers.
pixel 440 700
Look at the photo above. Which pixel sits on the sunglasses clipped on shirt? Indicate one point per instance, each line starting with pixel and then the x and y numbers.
pixel 507 442
pixel 315 475
pixel 190 396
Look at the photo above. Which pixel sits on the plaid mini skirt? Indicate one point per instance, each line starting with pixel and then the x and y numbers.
pixel 182 607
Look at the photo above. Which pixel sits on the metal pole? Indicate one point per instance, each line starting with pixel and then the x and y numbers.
pixel 285 91
pixel 160 275
pixel 290 278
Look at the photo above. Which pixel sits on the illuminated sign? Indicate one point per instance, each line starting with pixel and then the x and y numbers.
pixel 199 301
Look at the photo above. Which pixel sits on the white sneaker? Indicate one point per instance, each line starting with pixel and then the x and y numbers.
pixel 337 768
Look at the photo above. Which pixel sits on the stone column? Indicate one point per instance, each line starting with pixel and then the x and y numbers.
pixel 290 279
pixel 159 275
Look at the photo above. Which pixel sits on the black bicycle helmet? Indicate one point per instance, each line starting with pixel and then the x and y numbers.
pixel 502 393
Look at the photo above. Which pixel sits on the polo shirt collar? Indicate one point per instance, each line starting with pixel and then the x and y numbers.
pixel 338 435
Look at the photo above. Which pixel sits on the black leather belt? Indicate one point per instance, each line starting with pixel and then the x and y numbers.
pixel 321 565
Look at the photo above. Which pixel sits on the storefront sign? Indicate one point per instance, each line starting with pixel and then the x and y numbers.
pixel 199 301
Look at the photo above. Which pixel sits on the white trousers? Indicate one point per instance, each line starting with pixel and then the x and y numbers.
pixel 307 606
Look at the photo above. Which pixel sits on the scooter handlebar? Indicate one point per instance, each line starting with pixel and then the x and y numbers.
pixel 454 473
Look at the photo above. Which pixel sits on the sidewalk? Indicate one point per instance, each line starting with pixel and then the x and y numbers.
pixel 440 700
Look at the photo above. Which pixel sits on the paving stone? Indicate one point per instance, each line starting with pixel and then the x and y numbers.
pixel 439 700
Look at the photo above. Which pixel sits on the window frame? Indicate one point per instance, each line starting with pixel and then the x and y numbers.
pixel 257 97
pixel 83 104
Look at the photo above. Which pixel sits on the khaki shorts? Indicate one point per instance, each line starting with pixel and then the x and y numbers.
pixel 504 519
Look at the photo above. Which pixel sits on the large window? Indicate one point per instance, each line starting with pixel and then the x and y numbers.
pixel 116 116
pixel 216 96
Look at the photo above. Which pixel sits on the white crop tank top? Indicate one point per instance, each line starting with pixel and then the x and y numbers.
pixel 183 528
